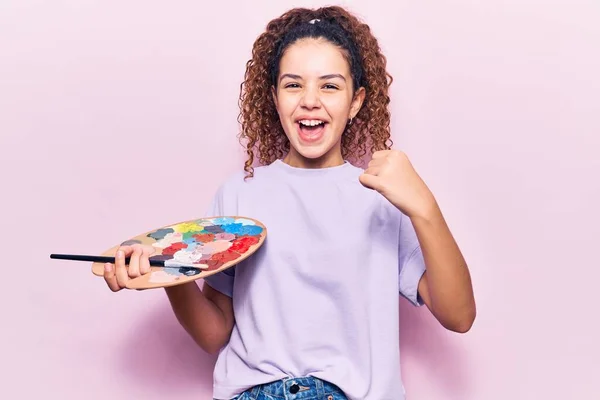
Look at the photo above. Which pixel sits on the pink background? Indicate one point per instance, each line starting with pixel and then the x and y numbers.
pixel 118 117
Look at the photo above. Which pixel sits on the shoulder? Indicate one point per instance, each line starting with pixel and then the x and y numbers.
pixel 239 181
pixel 240 178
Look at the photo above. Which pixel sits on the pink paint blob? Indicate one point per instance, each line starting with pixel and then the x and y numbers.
pixel 214 247
pixel 225 236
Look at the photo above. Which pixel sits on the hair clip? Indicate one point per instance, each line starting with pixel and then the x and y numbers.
pixel 314 21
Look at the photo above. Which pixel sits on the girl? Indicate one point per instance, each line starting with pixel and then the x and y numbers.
pixel 314 313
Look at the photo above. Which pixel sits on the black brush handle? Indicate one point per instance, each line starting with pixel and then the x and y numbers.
pixel 100 259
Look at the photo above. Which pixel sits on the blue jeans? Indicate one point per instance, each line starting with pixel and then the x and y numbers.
pixel 306 388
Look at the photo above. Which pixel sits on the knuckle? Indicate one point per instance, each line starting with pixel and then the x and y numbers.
pixel 126 249
pixel 147 250
pixel 139 247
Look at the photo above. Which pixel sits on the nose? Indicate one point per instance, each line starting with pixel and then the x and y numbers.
pixel 310 98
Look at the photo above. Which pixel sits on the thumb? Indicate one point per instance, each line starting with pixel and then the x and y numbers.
pixel 370 181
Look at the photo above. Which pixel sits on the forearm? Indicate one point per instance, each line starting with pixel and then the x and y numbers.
pixel 448 280
pixel 204 321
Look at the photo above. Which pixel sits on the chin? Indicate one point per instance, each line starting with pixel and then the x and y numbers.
pixel 313 149
pixel 311 152
pixel 313 146
pixel 314 155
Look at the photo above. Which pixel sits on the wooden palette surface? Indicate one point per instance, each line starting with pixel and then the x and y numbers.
pixel 213 244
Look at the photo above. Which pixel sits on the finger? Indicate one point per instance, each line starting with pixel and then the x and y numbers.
pixel 121 269
pixel 133 270
pixel 369 181
pixel 373 171
pixel 144 260
pixel 110 277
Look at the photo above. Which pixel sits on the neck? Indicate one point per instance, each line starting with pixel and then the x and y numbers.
pixel 295 159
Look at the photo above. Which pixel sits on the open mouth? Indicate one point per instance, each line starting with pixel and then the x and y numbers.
pixel 311 130
pixel 311 124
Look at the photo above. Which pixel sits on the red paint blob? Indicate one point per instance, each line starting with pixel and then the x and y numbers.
pixel 174 248
pixel 213 264
pixel 225 256
pixel 243 244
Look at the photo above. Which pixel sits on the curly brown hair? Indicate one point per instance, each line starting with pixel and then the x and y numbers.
pixel 261 129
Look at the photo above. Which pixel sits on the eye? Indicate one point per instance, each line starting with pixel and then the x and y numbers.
pixel 292 86
pixel 330 86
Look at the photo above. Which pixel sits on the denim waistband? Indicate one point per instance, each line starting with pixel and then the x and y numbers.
pixel 304 388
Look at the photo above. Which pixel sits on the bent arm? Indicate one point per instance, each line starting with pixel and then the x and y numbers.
pixel 206 315
pixel 446 286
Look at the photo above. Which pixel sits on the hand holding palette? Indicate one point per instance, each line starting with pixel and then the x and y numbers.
pixel 186 251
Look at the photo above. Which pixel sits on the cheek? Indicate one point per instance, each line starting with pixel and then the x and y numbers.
pixel 286 106
pixel 338 109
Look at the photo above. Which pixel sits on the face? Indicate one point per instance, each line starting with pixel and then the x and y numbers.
pixel 315 100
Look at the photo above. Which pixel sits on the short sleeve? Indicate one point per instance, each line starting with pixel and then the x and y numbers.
pixel 222 281
pixel 411 264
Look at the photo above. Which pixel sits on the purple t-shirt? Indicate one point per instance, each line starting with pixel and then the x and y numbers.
pixel 320 297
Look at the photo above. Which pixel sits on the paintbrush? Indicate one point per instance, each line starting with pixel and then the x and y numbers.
pixel 107 259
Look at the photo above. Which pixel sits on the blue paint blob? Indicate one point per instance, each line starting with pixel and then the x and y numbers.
pixel 172 271
pixel 160 233
pixel 243 230
pixel 250 230
pixel 232 228
pixel 223 221
pixel 244 221
pixel 191 245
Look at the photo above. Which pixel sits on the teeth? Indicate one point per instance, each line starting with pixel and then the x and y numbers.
pixel 311 122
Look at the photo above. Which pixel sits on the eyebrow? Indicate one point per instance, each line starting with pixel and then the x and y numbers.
pixel 324 77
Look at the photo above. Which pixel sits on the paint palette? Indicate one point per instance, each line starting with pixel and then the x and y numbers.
pixel 193 249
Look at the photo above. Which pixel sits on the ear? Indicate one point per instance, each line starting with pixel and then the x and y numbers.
pixel 357 101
